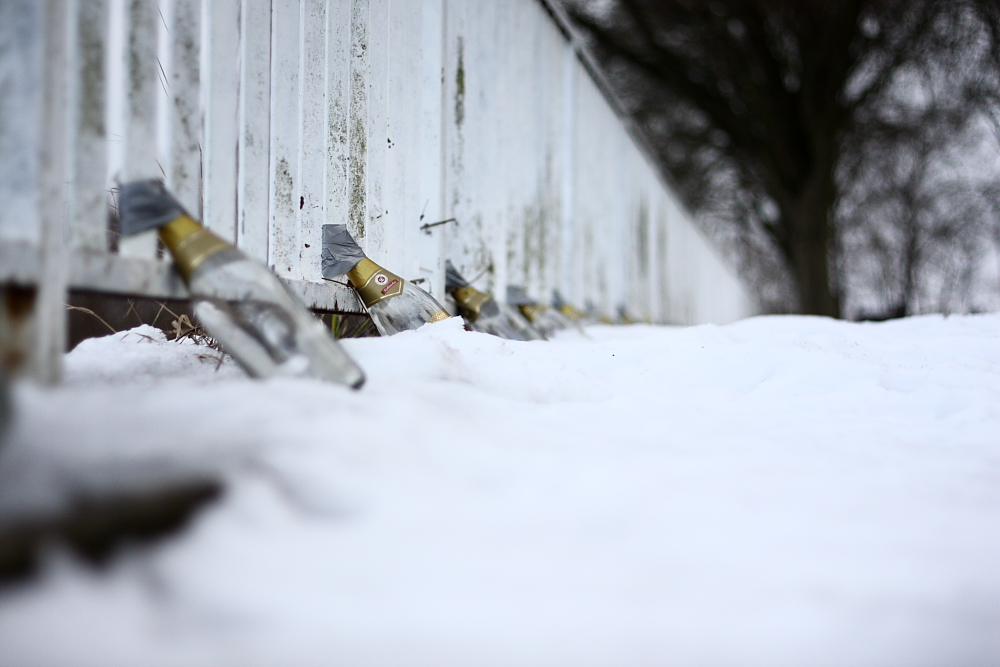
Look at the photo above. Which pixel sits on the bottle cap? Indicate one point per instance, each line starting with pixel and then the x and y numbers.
pixel 146 205
pixel 341 252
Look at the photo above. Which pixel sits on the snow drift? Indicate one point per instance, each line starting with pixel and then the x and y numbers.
pixel 780 491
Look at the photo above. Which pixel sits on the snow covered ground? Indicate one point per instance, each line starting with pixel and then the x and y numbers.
pixel 780 491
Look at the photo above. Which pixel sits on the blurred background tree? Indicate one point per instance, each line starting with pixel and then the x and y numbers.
pixel 844 152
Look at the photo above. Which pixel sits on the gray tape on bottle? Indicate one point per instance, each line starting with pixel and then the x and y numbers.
pixel 146 205
pixel 517 296
pixel 340 251
pixel 452 278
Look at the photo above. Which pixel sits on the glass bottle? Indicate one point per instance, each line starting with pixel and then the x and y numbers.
pixel 481 311
pixel 239 301
pixel 560 304
pixel 394 304
pixel 545 319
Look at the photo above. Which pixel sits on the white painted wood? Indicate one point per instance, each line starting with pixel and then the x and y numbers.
pixel 186 118
pixel 283 238
pixel 377 128
pixel 568 277
pixel 105 272
pixel 143 85
pixel 401 222
pixel 21 106
pixel 253 193
pixel 339 61
pixel 99 271
pixel 49 331
pixel 357 125
pixel 220 81
pixel 431 194
pixel 312 141
pixel 88 184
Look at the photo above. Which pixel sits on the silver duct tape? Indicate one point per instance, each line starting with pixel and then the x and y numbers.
pixel 145 205
pixel 341 252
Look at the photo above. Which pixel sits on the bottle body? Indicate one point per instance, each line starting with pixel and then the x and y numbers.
pixel 251 313
pixel 394 304
pixel 484 314
pixel 546 320
pixel 567 309
pixel 492 320
pixel 525 328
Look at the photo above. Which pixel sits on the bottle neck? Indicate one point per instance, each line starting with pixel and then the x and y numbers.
pixel 190 244
pixel 470 301
pixel 374 283
pixel 531 311
pixel 362 272
pixel 571 312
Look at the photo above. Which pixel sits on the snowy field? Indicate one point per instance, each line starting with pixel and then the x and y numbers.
pixel 784 491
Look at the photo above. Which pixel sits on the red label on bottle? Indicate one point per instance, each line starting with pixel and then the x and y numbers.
pixel 389 286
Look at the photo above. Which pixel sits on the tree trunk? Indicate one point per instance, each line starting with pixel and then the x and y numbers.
pixel 809 213
pixel 811 266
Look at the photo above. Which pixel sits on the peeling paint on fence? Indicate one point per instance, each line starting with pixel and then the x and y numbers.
pixel 358 137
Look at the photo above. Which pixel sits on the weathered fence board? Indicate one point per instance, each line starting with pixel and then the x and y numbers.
pixel 221 89
pixel 270 118
pixel 186 114
pixel 143 83
pixel 88 198
pixel 255 128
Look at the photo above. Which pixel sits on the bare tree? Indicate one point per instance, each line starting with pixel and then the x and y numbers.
pixel 822 141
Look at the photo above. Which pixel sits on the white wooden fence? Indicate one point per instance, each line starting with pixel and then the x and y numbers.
pixel 269 118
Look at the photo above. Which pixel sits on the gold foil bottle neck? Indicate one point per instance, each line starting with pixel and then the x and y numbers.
pixel 374 283
pixel 531 311
pixel 571 312
pixel 439 315
pixel 470 301
pixel 361 272
pixel 190 244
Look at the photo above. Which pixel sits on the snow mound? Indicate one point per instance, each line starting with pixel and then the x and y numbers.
pixel 125 358
pixel 779 491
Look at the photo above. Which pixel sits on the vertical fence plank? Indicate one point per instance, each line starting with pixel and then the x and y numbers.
pixel 568 281
pixel 21 74
pixel 338 105
pixel 21 56
pixel 401 207
pixel 49 336
pixel 184 177
pixel 143 84
pixel 649 252
pixel 88 183
pixel 221 86
pixel 312 144
pixel 255 128
pixel 431 162
pixel 285 128
pixel 452 117
pixel 357 188
pixel 378 73
pixel 662 250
